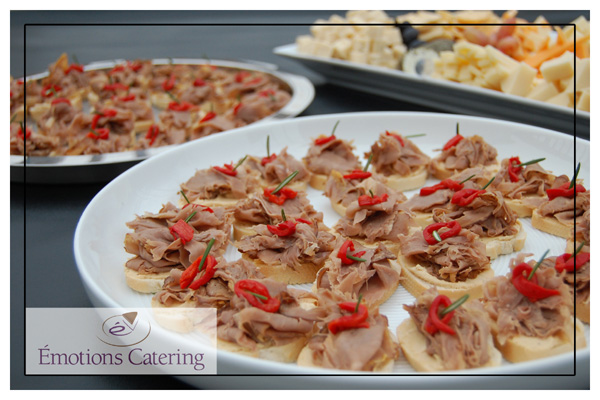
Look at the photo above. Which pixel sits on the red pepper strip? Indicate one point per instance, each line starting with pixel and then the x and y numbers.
pixel 182 230
pixel 109 112
pixel 240 76
pixel 134 66
pixel 73 67
pixel 564 191
pixel 20 82
pixel 513 170
pixel 343 252
pixel 365 200
pixel 281 196
pixel 358 174
pixel 113 87
pixel 286 228
pixel 530 288
pixel 445 184
pixel 569 263
pixel 152 133
pixel 396 136
pixel 453 230
pixel 353 321
pixel 204 208
pixel 27 135
pixel 241 287
pixel 100 134
pixel 209 115
pixel 323 140
pixel 199 82
pixel 130 97
pixel 359 254
pixel 269 159
pixel 237 108
pixel 254 81
pixel 453 142
pixel 304 221
pixel 466 196
pixel 118 68
pixel 60 100
pixel 266 93
pixel 190 272
pixel 183 106
pixel 433 323
pixel 47 90
pixel 209 272
pixel 169 84
pixel 226 169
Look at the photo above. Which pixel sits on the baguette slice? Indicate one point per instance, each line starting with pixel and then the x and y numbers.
pixel 180 318
pixel 281 273
pixel 523 348
pixel 551 225
pixel 412 181
pixel 520 207
pixel 496 246
pixel 414 346
pixel 417 280
pixel 145 283
pixel 317 181
pixel 439 171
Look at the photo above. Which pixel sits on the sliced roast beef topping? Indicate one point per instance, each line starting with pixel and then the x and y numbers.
pixel 308 245
pixel 566 209
pixel 153 242
pixel 533 180
pixel 214 125
pixel 513 314
pixel 371 347
pixel 582 229
pixel 578 282
pixel 345 191
pixel 469 347
pixel 371 278
pixel 487 215
pixel 334 155
pixel 210 184
pixel 390 157
pixel 469 152
pixel 275 172
pixel 258 210
pixel 454 259
pixel 36 144
pixel 57 119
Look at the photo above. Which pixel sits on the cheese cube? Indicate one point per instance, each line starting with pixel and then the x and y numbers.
pixel 582 75
pixel 398 50
pixel 341 48
pixel 543 91
pixel 361 44
pixel 391 36
pixel 583 103
pixel 500 58
pixel 582 25
pixel 519 82
pixel 558 68
pixel 359 57
pixel 493 77
pixel 561 99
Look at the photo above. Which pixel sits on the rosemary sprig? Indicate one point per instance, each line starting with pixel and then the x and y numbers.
pixel 208 247
pixel 240 162
pixel 360 296
pixel 368 163
pixel 455 305
pixel 575 176
pixel 416 135
pixel 283 215
pixel 260 296
pixel 537 265
pixel 74 57
pixel 371 192
pixel 537 160
pixel 489 183
pixel 457 129
pixel 577 250
pixel 175 99
pixel 268 147
pixel 285 182
pixel 469 178
pixel 184 196
pixel 335 127
pixel 355 258
pixel 190 217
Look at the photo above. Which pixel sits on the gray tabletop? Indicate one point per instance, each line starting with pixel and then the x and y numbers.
pixel 44 217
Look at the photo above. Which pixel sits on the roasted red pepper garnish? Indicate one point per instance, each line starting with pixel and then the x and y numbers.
pixel 267 93
pixel 226 169
pixel 73 67
pixel 281 196
pixel 358 174
pixel 182 230
pixel 152 133
pixel 113 87
pixel 209 115
pixel 342 254
pixel 355 320
pixel 530 288
pixel 464 197
pixel 181 106
pixel 304 221
pixel 134 66
pixel 169 84
pixel 204 208
pixel 266 160
pixel 396 136
pixel 60 100
pixel 117 68
pixel 564 191
pixel 26 136
pixel 324 139
pixel 567 262
pixel 98 134
pixel 254 81
pixel 237 108
pixel 513 170
pixel 453 142
pixel 285 228
pixel 108 113
pixel 365 200
pixel 50 90
pixel 445 184
pixel 198 82
pixel 190 273
pixel 240 76
pixel 257 295
pixel 453 230
pixel 433 323
pixel 129 97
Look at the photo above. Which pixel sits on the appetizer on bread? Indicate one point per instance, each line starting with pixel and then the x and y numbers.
pixel 422 204
pixel 576 267
pixel 172 238
pixel 485 213
pixel 376 217
pixel 350 337
pixel 400 161
pixel 354 270
pixel 581 234
pixel 343 189
pixel 326 154
pixel 530 309
pixel 523 185
pixel 290 252
pixel 445 256
pixel 566 204
pixel 445 336
pixel 460 153
pixel 135 100
pixel 267 319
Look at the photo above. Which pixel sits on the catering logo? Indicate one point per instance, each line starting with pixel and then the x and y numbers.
pixel 124 330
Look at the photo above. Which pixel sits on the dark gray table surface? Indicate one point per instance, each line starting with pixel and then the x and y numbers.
pixel 44 217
